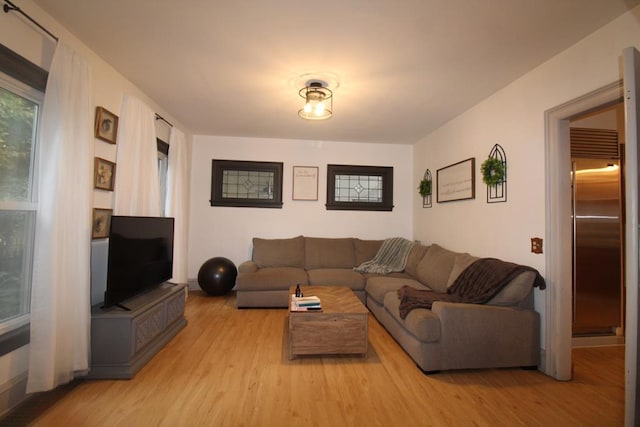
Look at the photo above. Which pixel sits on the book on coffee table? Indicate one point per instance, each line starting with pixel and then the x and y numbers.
pixel 311 303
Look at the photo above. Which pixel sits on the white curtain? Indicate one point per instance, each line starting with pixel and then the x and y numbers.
pixel 60 296
pixel 137 188
pixel 177 202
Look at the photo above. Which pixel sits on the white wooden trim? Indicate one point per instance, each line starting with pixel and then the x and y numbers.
pixel 557 361
pixel 631 65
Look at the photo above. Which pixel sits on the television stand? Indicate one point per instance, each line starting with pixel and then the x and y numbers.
pixel 117 305
pixel 122 341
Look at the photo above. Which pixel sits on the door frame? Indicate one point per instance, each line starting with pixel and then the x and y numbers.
pixel 556 360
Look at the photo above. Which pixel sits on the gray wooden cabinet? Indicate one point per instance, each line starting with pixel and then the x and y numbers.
pixel 122 341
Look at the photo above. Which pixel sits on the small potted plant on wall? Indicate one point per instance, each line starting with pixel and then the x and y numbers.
pixel 492 171
pixel 424 189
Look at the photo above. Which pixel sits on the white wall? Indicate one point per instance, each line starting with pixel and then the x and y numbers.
pixel 109 87
pixel 227 231
pixel 514 118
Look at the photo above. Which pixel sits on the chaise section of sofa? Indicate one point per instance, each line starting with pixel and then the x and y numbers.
pixel 504 332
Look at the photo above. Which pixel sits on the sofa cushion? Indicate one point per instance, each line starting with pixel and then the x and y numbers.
pixel 378 286
pixel 328 253
pixel 365 250
pixel 248 267
pixel 421 323
pixel 273 278
pixel 435 267
pixel 414 258
pixel 337 277
pixel 516 291
pixel 461 262
pixel 279 252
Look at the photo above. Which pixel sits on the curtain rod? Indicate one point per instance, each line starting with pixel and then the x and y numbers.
pixel 8 7
pixel 159 117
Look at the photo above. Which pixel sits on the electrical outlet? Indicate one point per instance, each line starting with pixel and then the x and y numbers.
pixel 536 245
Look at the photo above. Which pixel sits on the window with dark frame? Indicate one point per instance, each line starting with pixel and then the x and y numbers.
pixel 246 184
pixel 359 188
pixel 22 86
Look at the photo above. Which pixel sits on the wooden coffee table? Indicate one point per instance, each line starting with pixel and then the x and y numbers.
pixel 340 328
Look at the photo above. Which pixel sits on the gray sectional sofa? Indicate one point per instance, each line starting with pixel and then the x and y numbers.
pixel 503 332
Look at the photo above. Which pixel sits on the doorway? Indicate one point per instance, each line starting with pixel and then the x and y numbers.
pixel 597 195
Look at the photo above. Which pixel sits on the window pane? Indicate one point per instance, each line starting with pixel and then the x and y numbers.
pixel 239 184
pixel 358 188
pixel 16 235
pixel 17 140
pixel 163 168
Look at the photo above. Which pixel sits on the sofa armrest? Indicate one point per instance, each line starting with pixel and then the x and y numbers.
pixel 483 336
pixel 248 267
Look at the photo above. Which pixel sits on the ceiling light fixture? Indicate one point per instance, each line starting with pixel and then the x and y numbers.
pixel 318 101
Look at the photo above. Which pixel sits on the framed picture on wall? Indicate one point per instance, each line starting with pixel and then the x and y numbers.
pixel 104 174
pixel 305 183
pixel 106 126
pixel 101 223
pixel 456 181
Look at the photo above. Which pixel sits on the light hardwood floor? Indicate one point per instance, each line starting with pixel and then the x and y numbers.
pixel 230 367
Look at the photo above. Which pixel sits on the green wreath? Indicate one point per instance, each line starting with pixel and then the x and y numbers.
pixel 424 189
pixel 492 171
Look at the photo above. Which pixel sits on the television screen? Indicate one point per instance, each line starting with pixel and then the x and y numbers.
pixel 140 256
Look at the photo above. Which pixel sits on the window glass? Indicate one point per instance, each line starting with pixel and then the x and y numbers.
pixel 19 109
pixel 163 170
pixel 17 141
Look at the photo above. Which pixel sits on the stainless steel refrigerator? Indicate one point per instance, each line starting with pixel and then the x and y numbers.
pixel 597 246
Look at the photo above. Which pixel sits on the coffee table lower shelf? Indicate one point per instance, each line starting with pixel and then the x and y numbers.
pixel 340 328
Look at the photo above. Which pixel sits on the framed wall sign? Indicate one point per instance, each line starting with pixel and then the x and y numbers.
pixel 305 183
pixel 457 181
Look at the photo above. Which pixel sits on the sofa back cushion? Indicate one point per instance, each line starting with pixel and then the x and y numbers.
pixel 435 267
pixel 323 252
pixel 365 250
pixel 414 258
pixel 461 262
pixel 279 252
pixel 516 290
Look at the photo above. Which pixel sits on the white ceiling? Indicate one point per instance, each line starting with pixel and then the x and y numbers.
pixel 404 67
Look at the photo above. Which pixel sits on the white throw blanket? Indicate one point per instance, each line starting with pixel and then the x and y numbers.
pixel 392 256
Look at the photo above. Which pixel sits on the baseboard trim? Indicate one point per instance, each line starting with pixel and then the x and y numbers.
pixel 13 393
pixel 597 341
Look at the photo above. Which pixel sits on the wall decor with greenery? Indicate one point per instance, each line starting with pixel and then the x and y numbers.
pixel 494 175
pixel 425 188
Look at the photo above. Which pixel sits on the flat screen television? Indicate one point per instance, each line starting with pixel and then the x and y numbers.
pixel 140 256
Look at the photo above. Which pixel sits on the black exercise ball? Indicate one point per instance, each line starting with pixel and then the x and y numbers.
pixel 217 276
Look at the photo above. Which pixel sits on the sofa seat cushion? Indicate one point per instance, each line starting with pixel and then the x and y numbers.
pixel 279 252
pixel 378 286
pixel 273 278
pixel 337 277
pixel 320 252
pixel 421 323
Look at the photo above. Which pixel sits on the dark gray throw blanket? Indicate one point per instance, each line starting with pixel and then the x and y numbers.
pixel 477 284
